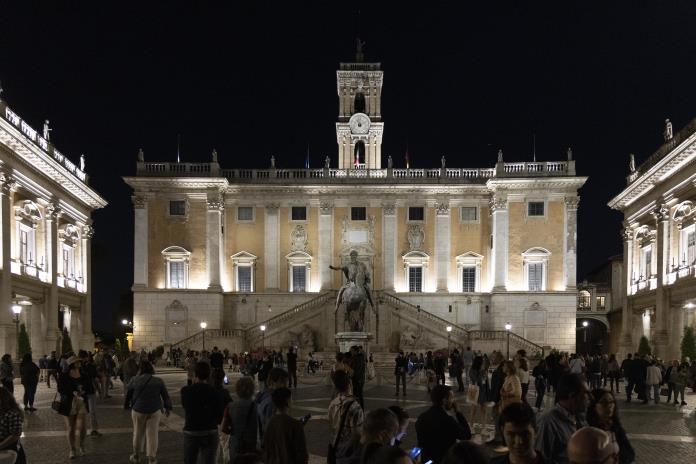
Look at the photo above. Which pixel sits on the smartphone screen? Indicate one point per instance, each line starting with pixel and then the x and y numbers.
pixel 415 452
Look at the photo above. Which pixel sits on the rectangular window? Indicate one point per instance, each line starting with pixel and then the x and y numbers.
pixel 601 301
pixel 469 213
pixel 177 208
pixel 177 274
pixel 68 256
pixel 416 213
pixel 358 213
pixel 535 276
pixel 415 279
pixel 299 213
pixel 469 279
pixel 535 208
pixel 299 278
pixel 24 246
pixel 646 262
pixel 691 247
pixel 244 278
pixel 245 213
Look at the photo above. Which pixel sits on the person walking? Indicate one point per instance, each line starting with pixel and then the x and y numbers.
pixel 436 430
pixel 679 377
pixel 29 375
pixel 7 372
pixel 148 397
pixel 479 377
pixel 359 372
pixel 511 391
pixel 458 370
pixel 292 367
pixel 89 372
pixel 440 364
pixel 604 414
pixel 53 367
pixel 72 386
pixel 614 372
pixel 240 420
pixel 540 374
pixel 523 374
pixel 204 408
pixel 284 439
pixel 43 368
pixel 400 367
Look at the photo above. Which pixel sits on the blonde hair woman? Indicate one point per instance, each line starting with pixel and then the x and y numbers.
pixel 511 391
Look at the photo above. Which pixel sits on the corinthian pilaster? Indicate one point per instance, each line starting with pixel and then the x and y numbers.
pixel 570 240
pixel 443 244
pixel 499 213
pixel 140 244
pixel 271 249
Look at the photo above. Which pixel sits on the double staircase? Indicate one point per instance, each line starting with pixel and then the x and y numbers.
pixel 277 328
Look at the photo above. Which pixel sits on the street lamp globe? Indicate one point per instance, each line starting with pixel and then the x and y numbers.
pixel 124 322
pixel 204 325
pixel 449 328
pixel 263 328
pixel 585 323
pixel 508 326
pixel 16 309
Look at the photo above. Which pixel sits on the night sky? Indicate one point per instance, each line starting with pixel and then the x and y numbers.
pixel 260 79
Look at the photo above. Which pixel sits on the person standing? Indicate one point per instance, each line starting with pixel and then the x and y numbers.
pixel 604 415
pixel 458 370
pixel 436 430
pixel 440 364
pixel 217 360
pixel 284 439
pixel 518 427
pixel 359 368
pixel 52 369
pixel 292 367
pixel 149 397
pixel 653 379
pixel 11 419
pixel 73 406
pixel 540 374
pixel 567 416
pixel 7 372
pixel 614 372
pixel 241 420
pixel 467 359
pixel 678 377
pixel 345 414
pixel 204 407
pixel 511 391
pixel 29 374
pixel 43 368
pixel 89 372
pixel 400 367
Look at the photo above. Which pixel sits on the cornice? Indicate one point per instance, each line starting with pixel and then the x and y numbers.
pixel 140 183
pixel 545 183
pixel 47 167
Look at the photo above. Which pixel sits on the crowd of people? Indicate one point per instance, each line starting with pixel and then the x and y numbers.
pixel 581 426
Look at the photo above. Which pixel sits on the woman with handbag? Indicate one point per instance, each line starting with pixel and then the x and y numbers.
pixel 73 407
pixel 240 420
pixel 11 419
pixel 149 398
pixel 511 391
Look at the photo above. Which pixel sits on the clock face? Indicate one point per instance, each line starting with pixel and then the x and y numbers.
pixel 359 123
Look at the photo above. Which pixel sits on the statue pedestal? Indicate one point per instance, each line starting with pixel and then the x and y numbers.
pixel 347 339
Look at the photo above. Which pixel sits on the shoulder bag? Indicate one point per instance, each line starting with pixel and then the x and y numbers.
pixel 331 454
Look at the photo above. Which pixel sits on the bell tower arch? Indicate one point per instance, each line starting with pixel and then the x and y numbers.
pixel 359 127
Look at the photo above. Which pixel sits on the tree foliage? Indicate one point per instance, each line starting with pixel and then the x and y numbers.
pixel 688 344
pixel 23 343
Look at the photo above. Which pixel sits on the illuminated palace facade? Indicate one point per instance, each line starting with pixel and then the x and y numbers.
pixel 45 209
pixel 469 249
pixel 659 252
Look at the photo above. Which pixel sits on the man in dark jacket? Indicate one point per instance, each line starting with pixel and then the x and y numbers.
pixel 440 364
pixel 400 367
pixel 292 367
pixel 436 430
pixel 359 374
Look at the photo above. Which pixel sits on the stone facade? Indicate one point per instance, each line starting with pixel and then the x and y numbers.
pixel 45 209
pixel 659 235
pixel 475 247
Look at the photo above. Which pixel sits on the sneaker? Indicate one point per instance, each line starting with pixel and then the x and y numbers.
pixel 72 454
pixel 133 459
pixel 80 451
pixel 33 409
pixel 95 433
pixel 683 403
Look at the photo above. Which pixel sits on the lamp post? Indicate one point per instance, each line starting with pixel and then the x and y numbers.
pixel 129 334
pixel 507 328
pixel 263 337
pixel 16 310
pixel 584 333
pixel 203 326
pixel 449 332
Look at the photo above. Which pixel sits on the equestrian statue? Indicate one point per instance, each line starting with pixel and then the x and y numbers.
pixel 355 293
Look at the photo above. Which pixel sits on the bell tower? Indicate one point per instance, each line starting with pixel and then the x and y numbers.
pixel 359 127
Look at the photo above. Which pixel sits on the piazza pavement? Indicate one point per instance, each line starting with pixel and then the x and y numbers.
pixel 659 433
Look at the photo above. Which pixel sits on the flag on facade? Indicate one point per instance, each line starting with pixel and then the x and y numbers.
pixel 408 160
pixel 307 158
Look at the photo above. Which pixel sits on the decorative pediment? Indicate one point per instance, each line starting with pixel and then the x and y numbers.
pixel 684 211
pixel 299 257
pixel 176 253
pixel 416 258
pixel 28 211
pixel 537 252
pixel 243 257
pixel 646 234
pixel 69 234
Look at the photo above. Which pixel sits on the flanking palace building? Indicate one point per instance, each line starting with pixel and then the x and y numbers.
pixel 454 254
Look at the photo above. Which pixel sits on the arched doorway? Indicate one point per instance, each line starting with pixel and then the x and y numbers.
pixel 359 103
pixel 592 336
pixel 359 154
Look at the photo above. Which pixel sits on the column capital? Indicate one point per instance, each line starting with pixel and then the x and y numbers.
pixel 215 205
pixel 442 208
pixel 572 203
pixel 52 211
pixel 87 232
pixel 139 202
pixel 9 184
pixel 661 213
pixel 498 204
pixel 627 234
pixel 325 207
pixel 272 207
pixel 389 209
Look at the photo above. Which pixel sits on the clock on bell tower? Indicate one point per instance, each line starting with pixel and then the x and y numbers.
pixel 359 127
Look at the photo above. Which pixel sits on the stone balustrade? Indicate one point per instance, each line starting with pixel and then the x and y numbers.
pixel 330 175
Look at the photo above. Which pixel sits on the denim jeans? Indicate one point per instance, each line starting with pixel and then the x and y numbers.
pixel 29 394
pixel 540 385
pixel 92 404
pixel 205 446
pixel 656 392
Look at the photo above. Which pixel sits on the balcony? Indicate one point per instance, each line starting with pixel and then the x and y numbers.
pixel 681 272
pixel 71 283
